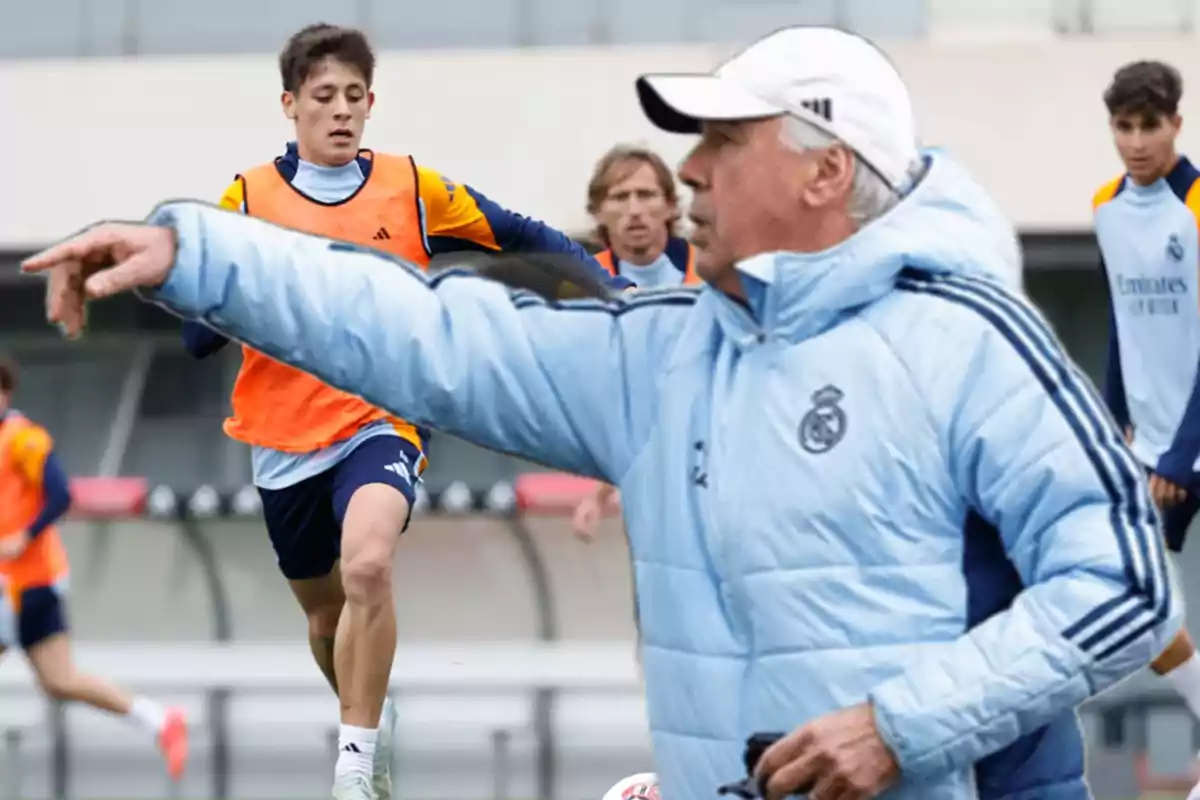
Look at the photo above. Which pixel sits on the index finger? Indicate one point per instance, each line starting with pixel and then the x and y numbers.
pixel 76 248
pixel 796 777
pixel 783 752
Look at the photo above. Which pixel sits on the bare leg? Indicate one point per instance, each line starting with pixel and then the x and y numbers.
pixel 367 635
pixel 1178 651
pixel 1180 665
pixel 322 600
pixel 54 666
pixel 366 639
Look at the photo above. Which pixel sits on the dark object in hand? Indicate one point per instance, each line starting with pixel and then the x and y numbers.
pixel 748 788
pixel 554 276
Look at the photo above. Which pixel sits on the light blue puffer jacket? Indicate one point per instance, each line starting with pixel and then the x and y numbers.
pixel 881 481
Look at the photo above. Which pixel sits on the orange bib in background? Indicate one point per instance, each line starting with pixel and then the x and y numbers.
pixel 279 406
pixel 690 278
pixel 44 562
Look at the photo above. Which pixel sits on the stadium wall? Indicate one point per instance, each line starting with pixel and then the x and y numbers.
pixel 458 578
pixel 109 138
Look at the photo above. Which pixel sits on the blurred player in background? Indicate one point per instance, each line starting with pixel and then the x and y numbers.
pixel 1146 224
pixel 633 198
pixel 34 494
pixel 634 201
pixel 337 476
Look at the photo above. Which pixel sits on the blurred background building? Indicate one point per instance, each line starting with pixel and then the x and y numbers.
pixel 112 105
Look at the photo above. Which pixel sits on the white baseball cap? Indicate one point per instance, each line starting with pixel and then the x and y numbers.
pixel 836 81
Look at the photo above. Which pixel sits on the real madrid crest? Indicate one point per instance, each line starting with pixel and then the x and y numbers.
pixel 825 423
pixel 1175 248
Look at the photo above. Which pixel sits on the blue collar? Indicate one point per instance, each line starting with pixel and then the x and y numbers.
pixel 289 162
pixel 679 252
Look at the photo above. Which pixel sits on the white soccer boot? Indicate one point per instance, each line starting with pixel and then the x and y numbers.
pixel 352 787
pixel 381 777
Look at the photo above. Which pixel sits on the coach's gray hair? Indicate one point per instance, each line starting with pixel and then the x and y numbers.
pixel 871 196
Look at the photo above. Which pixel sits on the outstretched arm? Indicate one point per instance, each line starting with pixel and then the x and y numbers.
pixel 570 385
pixel 459 217
pixel 199 340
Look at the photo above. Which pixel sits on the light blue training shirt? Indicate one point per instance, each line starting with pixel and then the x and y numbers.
pixel 1150 249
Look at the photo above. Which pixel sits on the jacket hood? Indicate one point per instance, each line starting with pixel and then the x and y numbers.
pixel 946 224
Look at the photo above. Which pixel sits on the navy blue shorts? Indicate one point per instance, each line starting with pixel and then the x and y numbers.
pixel 304 520
pixel 43 614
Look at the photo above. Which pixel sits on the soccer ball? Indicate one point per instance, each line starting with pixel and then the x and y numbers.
pixel 643 786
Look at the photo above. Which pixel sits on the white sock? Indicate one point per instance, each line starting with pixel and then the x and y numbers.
pixel 356 751
pixel 1186 681
pixel 148 714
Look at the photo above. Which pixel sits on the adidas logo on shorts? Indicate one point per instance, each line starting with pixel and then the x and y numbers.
pixel 399 468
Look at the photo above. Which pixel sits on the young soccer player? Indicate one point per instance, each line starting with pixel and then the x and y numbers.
pixel 1146 224
pixel 336 475
pixel 34 494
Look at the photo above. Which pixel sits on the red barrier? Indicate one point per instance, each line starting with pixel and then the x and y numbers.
pixel 108 498
pixel 551 493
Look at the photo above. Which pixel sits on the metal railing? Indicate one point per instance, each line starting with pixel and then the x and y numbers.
pixel 544 699
pixel 247 671
pixel 217 701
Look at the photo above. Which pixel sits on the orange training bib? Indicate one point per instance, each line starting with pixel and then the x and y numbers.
pixel 279 406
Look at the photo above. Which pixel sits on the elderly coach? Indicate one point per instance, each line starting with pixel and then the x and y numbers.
pixel 869 499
